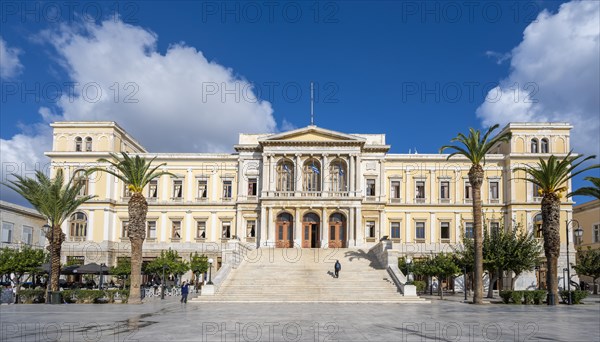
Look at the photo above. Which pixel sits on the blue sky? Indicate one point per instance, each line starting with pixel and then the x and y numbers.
pixel 417 71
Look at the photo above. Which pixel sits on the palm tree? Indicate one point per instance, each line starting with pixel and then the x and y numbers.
pixel 551 177
pixel 136 174
pixel 592 191
pixel 56 201
pixel 475 147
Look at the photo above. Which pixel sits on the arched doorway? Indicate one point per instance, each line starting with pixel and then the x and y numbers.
pixel 284 231
pixel 310 231
pixel 337 231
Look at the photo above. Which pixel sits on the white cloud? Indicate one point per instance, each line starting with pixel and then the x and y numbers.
pixel 177 101
pixel 557 64
pixel 10 65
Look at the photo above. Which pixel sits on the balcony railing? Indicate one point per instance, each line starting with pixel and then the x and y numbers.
pixel 420 200
pixel 77 238
pixel 444 200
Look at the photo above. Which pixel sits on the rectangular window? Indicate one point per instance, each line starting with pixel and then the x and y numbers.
pixel 395 190
pixel 370 187
pixel 495 227
pixel 153 189
pixel 445 230
pixel 7 232
pixel 468 191
pixel 445 190
pixel 332 233
pixel 536 191
pixel 420 189
pixel 88 144
pixel 469 230
pixel 370 229
pixel 151 230
pixel 202 189
pixel 494 193
pixel 126 191
pixel 200 229
pixel 125 229
pixel 176 230
pixel 251 228
pixel 395 230
pixel 420 230
pixel 252 186
pixel 226 230
pixel 27 236
pixel 596 233
pixel 178 188
pixel 227 189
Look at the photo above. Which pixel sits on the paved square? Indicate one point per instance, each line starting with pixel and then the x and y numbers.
pixel 169 320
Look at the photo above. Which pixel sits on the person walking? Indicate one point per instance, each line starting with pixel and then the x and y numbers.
pixel 184 292
pixel 337 268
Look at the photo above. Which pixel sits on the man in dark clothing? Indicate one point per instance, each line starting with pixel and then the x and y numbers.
pixel 337 268
pixel 184 292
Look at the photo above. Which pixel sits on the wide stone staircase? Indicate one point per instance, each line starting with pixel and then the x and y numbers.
pixel 306 275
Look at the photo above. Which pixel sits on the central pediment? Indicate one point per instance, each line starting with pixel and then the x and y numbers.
pixel 311 134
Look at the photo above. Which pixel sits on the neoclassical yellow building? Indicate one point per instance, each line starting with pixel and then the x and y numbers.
pixel 310 188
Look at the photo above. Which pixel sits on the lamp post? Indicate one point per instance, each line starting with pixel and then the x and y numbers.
pixel 47 229
pixel 162 292
pixel 102 265
pixel 537 276
pixel 564 278
pixel 210 262
pixel 408 262
pixel 465 281
pixel 580 231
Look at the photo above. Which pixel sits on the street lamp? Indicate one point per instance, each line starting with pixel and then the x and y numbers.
pixel 408 262
pixel 210 262
pixel 578 234
pixel 102 265
pixel 47 229
pixel 579 231
pixel 162 292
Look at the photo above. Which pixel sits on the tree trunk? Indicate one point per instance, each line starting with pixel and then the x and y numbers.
pixel 138 208
pixel 551 231
pixel 513 280
pixel 476 179
pixel 493 279
pixel 440 288
pixel 56 239
pixel 595 289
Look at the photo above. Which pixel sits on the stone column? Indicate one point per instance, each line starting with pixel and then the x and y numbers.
pixel 324 228
pixel 432 188
pixel 262 235
pixel 358 226
pixel 381 227
pixel 297 229
pixel 350 174
pixel 270 228
pixel 188 226
pixel 241 182
pixel 432 228
pixel 350 228
pixel 407 230
pixel 324 175
pixel 265 174
pixel 272 174
pixel 358 184
pixel 457 233
pixel 189 193
pixel 298 175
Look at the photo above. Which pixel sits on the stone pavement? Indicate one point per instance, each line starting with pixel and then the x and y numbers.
pixel 168 320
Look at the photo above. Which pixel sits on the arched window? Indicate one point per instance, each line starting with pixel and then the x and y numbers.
pixel 534 145
pixel 312 175
pixel 81 178
pixel 78 224
pixel 338 175
pixel 311 217
pixel 88 144
pixel 78 144
pixel 285 217
pixel 545 146
pixel 537 226
pixel 337 217
pixel 285 175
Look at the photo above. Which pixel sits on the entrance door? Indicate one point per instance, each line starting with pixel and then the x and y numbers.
pixel 337 231
pixel 310 231
pixel 284 231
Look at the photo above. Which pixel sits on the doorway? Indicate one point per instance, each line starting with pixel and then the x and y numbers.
pixel 311 227
pixel 284 231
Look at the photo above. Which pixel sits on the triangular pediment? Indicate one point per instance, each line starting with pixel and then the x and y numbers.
pixel 312 134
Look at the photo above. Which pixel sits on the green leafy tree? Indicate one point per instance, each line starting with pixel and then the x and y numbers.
pixel 24 263
pixel 441 266
pixel 198 265
pixel 588 264
pixel 171 261
pixel 523 252
pixel 552 178
pixel 136 173
pixel 122 270
pixel 592 191
pixel 56 201
pixel 474 147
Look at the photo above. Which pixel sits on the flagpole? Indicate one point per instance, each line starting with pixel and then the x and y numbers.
pixel 312 99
